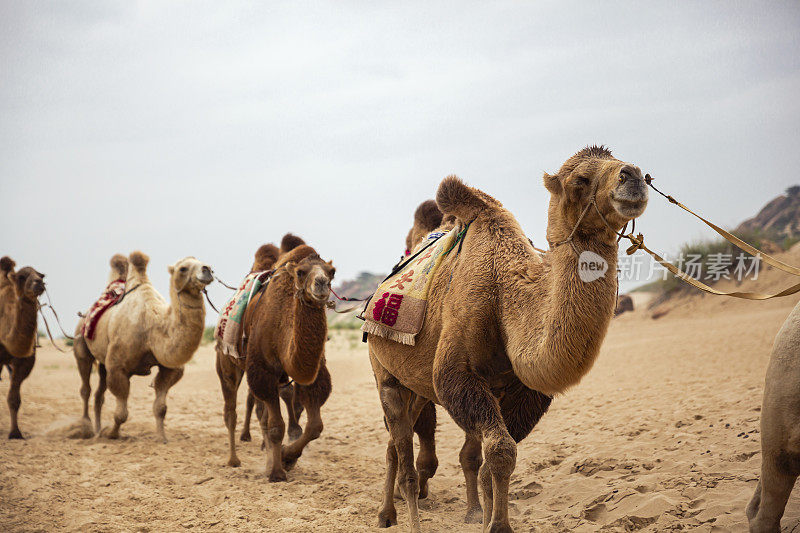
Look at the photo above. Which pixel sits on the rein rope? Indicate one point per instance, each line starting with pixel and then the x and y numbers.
pixel 49 305
pixel 637 243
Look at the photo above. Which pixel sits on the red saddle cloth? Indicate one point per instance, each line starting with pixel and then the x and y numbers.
pixel 112 295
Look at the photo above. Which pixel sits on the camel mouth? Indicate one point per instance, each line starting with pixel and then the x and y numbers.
pixel 38 288
pixel 320 296
pixel 629 208
pixel 205 276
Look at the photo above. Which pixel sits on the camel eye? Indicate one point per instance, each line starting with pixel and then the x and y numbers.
pixel 580 181
pixel 183 269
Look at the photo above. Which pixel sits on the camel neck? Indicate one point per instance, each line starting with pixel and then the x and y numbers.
pixel 307 345
pixel 561 317
pixel 185 323
pixel 21 338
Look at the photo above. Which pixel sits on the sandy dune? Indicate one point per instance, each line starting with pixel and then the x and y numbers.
pixel 661 435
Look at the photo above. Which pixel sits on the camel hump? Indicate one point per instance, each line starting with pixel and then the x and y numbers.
pixel 428 215
pixel 7 264
pixel 266 255
pixel 455 198
pixel 119 265
pixel 138 261
pixel 290 241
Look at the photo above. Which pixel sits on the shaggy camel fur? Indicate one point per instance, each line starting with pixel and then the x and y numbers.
pixel 19 296
pixel 505 328
pixel 142 331
pixel 293 406
pixel 285 330
pixel 780 430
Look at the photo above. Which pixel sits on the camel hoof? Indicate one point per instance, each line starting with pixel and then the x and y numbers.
pixel 500 528
pixel 245 437
pixel 474 516
pixel 234 462
pixel 277 476
pixel 288 460
pixel 387 518
pixel 15 434
pixel 294 433
pixel 423 490
pixel 108 433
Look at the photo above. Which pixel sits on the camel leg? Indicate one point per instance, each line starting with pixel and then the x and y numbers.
pixel 99 397
pixel 84 359
pixel 230 376
pixel 248 411
pixel 165 379
pixel 470 402
pixel 289 397
pixel 427 462
pixel 471 461
pixel 119 383
pixel 312 397
pixel 769 501
pixel 264 383
pixel 401 408
pixel 20 369
pixel 387 516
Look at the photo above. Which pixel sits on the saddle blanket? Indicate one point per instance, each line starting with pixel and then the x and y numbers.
pixel 229 326
pixel 110 296
pixel 397 309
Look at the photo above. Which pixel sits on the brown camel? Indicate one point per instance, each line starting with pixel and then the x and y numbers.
pixel 142 331
pixel 19 303
pixel 505 328
pixel 285 328
pixel 293 406
pixel 780 430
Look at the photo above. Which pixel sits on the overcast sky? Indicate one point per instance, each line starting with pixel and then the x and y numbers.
pixel 207 129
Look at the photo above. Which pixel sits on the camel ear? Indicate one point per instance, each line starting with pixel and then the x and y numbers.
pixel 552 183
pixel 171 269
pixel 291 267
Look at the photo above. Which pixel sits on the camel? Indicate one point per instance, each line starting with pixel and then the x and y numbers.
pixel 285 330
pixel 293 406
pixel 506 329
pixel 141 331
pixel 19 303
pixel 780 430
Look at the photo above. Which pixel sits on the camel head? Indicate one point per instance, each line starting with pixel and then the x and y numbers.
pixel 190 275
pixel 312 278
pixel 28 283
pixel 593 174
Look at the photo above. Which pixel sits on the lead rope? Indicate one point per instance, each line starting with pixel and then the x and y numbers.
pixel 637 243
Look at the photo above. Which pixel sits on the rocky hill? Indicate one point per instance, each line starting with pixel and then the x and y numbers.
pixel 779 218
pixel 361 287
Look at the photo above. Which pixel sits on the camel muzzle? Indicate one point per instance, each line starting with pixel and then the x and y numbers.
pixel 205 276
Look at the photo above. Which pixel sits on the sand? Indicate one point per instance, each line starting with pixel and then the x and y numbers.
pixel 663 434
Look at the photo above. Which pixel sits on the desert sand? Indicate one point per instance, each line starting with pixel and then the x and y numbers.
pixel 663 434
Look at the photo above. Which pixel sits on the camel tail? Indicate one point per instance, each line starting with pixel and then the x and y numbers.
pixel 138 261
pixel 119 267
pixel 266 255
pixel 457 199
pixel 290 241
pixel 6 264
